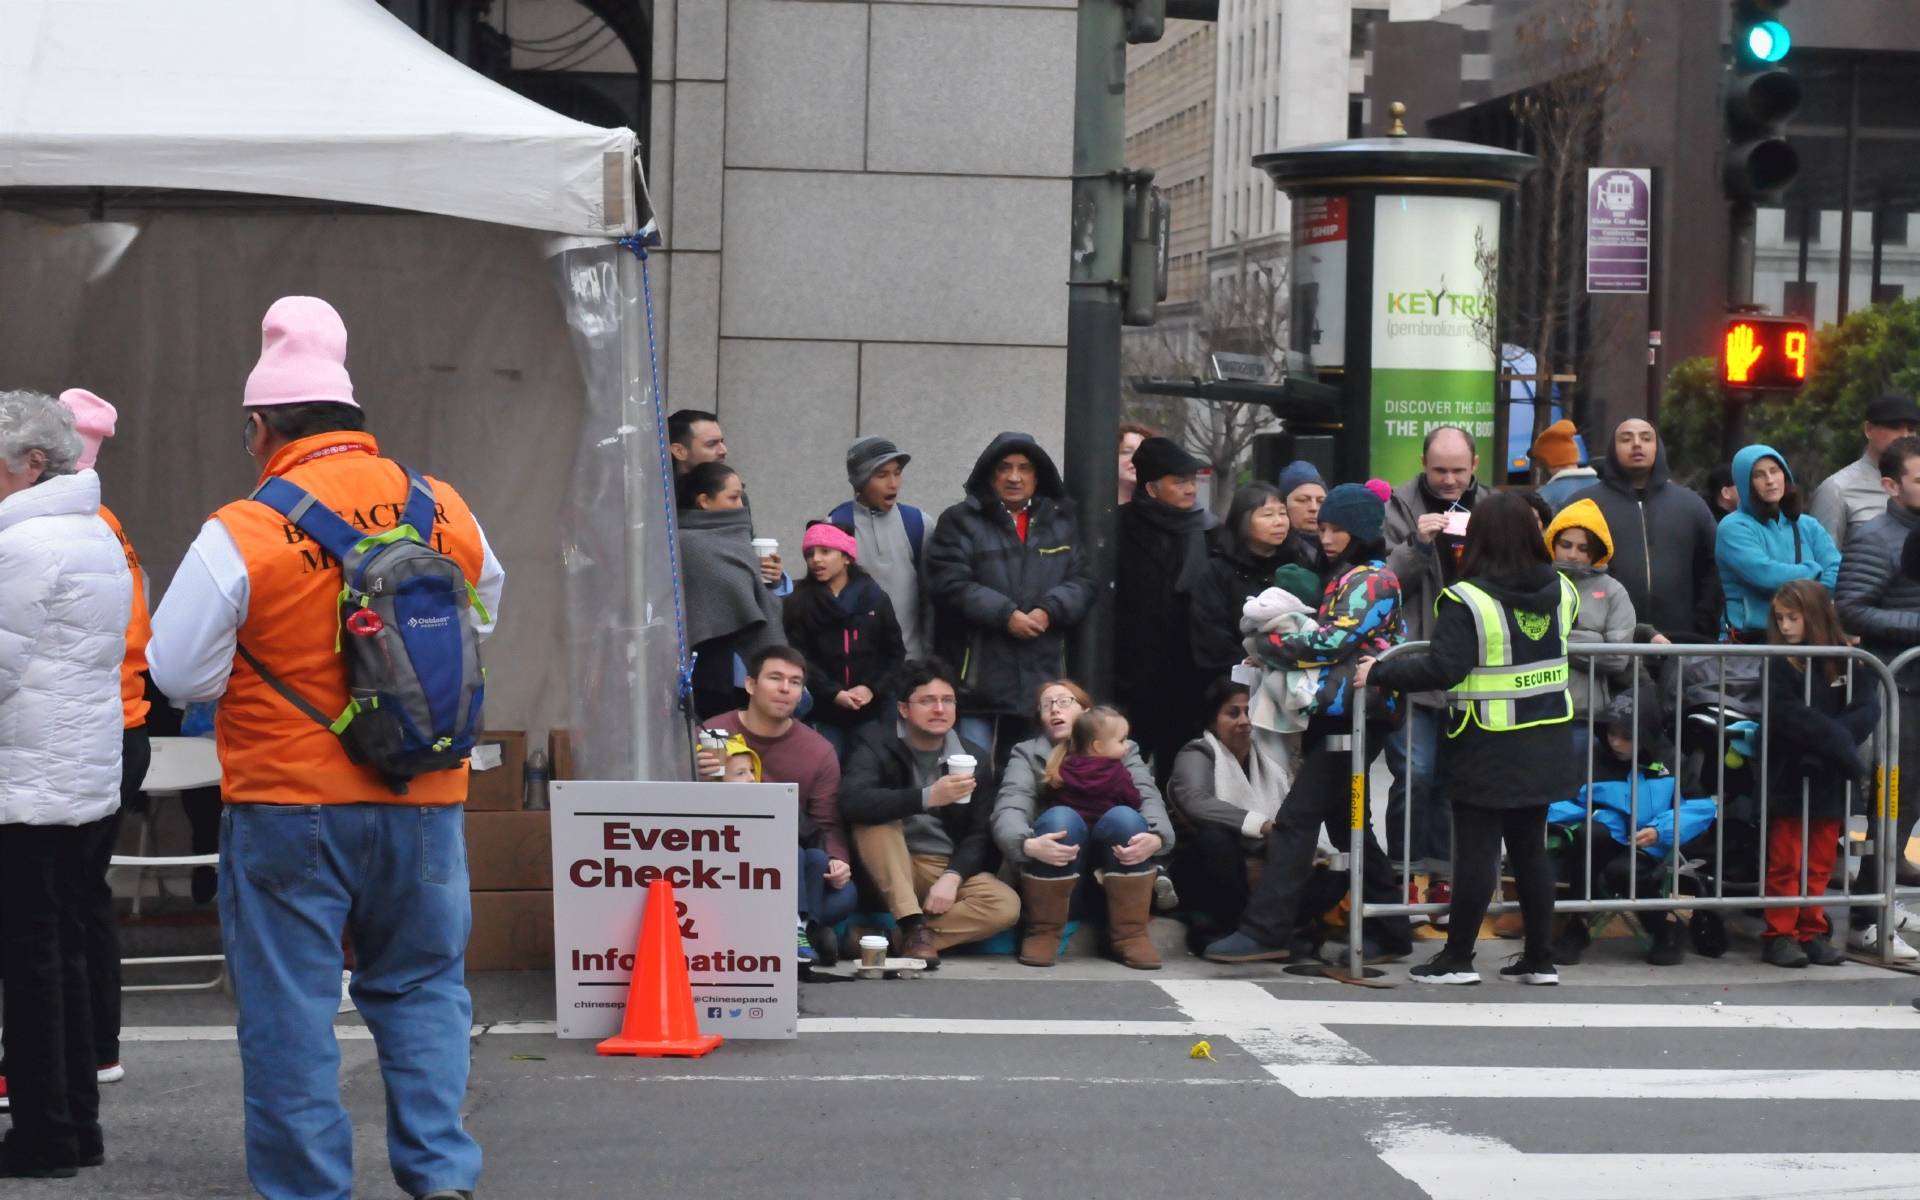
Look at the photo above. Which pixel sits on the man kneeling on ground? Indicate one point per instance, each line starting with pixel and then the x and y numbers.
pixel 920 814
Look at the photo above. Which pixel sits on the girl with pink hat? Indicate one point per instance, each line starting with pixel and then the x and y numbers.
pixel 841 620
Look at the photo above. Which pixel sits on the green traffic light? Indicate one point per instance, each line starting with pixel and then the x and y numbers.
pixel 1769 41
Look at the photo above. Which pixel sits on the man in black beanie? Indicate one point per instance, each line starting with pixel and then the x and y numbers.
pixel 1160 553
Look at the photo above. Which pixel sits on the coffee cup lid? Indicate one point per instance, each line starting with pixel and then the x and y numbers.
pixel 872 941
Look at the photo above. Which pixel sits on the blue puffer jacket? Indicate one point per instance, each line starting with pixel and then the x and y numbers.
pixel 1756 556
pixel 1613 803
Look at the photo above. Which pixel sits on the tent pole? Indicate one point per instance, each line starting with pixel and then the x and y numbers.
pixel 636 421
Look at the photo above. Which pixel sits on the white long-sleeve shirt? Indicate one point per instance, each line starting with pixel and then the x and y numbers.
pixel 198 623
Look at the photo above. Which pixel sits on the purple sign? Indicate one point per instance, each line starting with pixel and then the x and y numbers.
pixel 1619 228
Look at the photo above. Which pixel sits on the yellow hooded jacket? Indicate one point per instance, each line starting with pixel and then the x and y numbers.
pixel 1606 611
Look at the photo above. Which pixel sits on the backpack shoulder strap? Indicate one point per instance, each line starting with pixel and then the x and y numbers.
pixel 916 523
pixel 421 505
pixel 295 698
pixel 313 518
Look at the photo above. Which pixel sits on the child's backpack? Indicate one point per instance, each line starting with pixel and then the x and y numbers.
pixel 414 680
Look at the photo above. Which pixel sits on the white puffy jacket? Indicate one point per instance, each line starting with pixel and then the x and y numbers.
pixel 65 596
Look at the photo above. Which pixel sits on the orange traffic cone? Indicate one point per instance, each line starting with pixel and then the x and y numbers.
pixel 660 1020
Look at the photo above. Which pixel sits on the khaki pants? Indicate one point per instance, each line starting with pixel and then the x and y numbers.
pixel 984 907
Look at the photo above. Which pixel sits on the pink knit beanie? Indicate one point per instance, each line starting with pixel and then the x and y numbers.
pixel 93 419
pixel 303 356
pixel 823 533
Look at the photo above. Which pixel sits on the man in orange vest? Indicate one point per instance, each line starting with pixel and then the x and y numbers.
pixel 312 846
pixel 94 420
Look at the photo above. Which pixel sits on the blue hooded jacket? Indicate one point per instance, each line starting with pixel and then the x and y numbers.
pixel 1756 556
pixel 1613 805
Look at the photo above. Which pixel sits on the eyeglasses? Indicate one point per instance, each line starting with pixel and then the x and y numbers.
pixel 1058 704
pixel 934 702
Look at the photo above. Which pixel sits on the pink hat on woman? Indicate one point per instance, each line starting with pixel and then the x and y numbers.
pixel 1382 489
pixel 303 356
pixel 93 420
pixel 825 533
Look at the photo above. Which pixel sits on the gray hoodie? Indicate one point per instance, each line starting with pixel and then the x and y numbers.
pixel 1606 615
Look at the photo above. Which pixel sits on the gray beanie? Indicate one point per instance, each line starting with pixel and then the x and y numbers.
pixel 868 455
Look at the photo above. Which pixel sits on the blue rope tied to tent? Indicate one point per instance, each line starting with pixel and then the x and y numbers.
pixel 640 243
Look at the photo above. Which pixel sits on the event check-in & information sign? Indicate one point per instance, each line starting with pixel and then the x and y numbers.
pixel 728 849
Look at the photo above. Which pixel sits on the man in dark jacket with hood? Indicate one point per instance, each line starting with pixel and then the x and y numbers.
pixel 1009 577
pixel 1663 536
pixel 1162 554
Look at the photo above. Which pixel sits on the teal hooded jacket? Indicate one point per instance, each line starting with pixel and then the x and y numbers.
pixel 1756 556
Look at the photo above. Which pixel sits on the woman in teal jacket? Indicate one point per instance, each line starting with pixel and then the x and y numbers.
pixel 1766 542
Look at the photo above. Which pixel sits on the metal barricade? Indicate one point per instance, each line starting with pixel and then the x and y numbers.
pixel 1898 851
pixel 1675 867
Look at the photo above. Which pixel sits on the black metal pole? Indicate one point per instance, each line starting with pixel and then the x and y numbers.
pixel 1846 199
pixel 1093 321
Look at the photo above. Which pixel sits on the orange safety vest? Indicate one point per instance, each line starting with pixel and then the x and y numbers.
pixel 270 752
pixel 134 704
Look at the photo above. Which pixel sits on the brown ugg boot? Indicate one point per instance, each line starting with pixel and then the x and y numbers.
pixel 1047 902
pixel 1129 906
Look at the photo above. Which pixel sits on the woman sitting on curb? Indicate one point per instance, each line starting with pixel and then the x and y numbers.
pixel 1054 851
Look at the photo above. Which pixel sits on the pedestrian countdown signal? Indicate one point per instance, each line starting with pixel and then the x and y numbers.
pixel 1765 353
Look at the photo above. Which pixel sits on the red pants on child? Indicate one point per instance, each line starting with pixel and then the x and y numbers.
pixel 1783 873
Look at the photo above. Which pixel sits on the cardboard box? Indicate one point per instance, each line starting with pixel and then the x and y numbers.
pixel 510 851
pixel 512 931
pixel 560 754
pixel 503 788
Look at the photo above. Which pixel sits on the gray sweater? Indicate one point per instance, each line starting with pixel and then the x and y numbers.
pixel 1024 779
pixel 1606 615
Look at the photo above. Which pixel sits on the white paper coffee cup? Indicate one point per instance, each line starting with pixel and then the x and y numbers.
pixel 766 547
pixel 961 764
pixel 873 951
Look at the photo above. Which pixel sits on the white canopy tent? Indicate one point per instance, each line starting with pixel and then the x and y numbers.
pixel 160 102
pixel 321 99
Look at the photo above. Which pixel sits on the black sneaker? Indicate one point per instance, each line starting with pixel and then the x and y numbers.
pixel 1536 969
pixel 1446 967
pixel 1707 932
pixel 1821 952
pixel 1784 952
pixel 1669 937
pixel 1572 942
pixel 826 944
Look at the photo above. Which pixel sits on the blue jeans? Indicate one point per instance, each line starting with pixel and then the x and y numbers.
pixel 1429 843
pixel 818 901
pixel 393 878
pixel 1116 827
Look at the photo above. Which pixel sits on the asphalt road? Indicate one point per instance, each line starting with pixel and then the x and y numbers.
pixel 1623 1082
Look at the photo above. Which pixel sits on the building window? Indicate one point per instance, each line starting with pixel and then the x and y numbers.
pixel 1799 219
pixel 1799 298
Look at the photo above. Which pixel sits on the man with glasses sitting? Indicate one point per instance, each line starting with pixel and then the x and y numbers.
pixel 919 798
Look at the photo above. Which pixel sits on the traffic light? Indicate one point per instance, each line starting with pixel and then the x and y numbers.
pixel 1761 96
pixel 1148 218
pixel 1146 20
pixel 1765 354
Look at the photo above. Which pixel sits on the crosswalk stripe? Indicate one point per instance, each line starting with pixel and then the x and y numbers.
pixel 1547 1015
pixel 1450 1166
pixel 1596 1083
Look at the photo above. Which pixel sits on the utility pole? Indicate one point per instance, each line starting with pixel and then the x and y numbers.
pixel 1093 319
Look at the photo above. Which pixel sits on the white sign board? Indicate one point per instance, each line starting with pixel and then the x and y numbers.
pixel 728 849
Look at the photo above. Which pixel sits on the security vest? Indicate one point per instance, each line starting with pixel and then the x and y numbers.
pixel 1519 678
pixel 270 751
pixel 134 704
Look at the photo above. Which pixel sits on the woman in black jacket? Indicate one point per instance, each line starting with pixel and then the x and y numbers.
pixel 1500 782
pixel 1242 557
pixel 841 621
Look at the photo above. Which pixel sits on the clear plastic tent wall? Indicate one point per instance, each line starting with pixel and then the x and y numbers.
pixel 625 626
